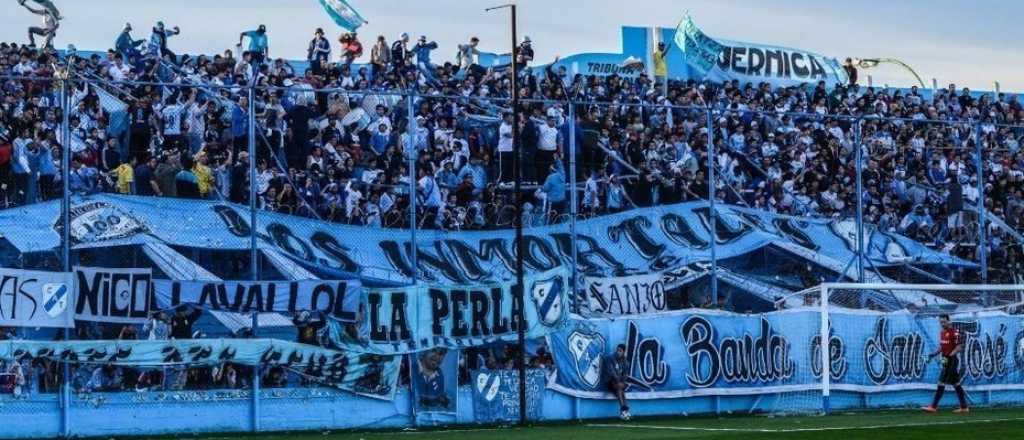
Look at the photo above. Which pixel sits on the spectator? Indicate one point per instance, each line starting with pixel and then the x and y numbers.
pixel 184 318
pixel 422 52
pixel 106 378
pixel 51 21
pixel 469 57
pixel 400 52
pixel 145 179
pixel 127 46
pixel 319 53
pixel 549 144
pixel 156 329
pixel 554 189
pixel 308 325
pixel 125 176
pixel 851 71
pixel 615 371
pixel 380 57
pixel 524 53
pixel 82 178
pixel 351 48
pixel 158 42
pixel 259 47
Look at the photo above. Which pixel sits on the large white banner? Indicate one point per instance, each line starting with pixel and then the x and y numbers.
pixel 637 294
pixel 113 295
pixel 35 299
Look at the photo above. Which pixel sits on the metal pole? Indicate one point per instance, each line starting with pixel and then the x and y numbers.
pixel 825 347
pixel 982 230
pixel 65 215
pixel 253 255
pixel 859 157
pixel 711 207
pixel 411 152
pixel 573 210
pixel 520 249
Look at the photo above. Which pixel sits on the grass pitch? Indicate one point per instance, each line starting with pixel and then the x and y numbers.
pixel 878 425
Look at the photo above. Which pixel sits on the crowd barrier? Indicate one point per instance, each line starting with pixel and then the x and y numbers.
pixel 409 319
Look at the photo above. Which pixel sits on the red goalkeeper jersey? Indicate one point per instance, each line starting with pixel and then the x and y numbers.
pixel 948 340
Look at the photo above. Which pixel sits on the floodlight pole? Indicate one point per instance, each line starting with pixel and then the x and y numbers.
pixel 520 249
pixel 65 215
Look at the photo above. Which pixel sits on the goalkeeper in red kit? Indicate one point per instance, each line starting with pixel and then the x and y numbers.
pixel 950 345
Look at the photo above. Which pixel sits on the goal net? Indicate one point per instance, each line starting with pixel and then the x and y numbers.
pixel 881 340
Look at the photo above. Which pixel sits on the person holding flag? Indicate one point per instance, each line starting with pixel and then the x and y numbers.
pixel 700 51
pixel 51 21
pixel 660 66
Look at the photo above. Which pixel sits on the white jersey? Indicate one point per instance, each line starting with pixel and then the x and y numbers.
pixel 197 119
pixel 172 116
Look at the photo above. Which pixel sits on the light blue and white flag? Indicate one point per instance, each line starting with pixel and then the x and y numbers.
pixel 343 14
pixel 701 51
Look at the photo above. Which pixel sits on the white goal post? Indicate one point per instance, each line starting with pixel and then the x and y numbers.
pixel 913 292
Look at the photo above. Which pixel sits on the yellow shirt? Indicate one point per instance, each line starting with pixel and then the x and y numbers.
pixel 204 177
pixel 125 177
pixel 660 68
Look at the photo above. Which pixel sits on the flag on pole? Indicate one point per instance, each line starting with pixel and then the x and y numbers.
pixel 343 14
pixel 700 50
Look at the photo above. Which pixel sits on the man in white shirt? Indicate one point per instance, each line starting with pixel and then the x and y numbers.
pixel 119 71
pixel 549 143
pixel 505 149
pixel 352 199
pixel 430 195
pixel 197 123
pixel 172 116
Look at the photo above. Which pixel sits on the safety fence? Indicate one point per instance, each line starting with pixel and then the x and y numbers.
pixel 198 195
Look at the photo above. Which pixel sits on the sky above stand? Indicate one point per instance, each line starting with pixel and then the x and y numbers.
pixel 971 44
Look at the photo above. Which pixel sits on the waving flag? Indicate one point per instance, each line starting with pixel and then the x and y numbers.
pixel 701 51
pixel 343 14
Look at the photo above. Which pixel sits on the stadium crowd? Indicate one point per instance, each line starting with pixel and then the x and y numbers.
pixel 334 141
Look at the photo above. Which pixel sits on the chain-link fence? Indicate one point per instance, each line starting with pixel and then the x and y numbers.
pixel 204 185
